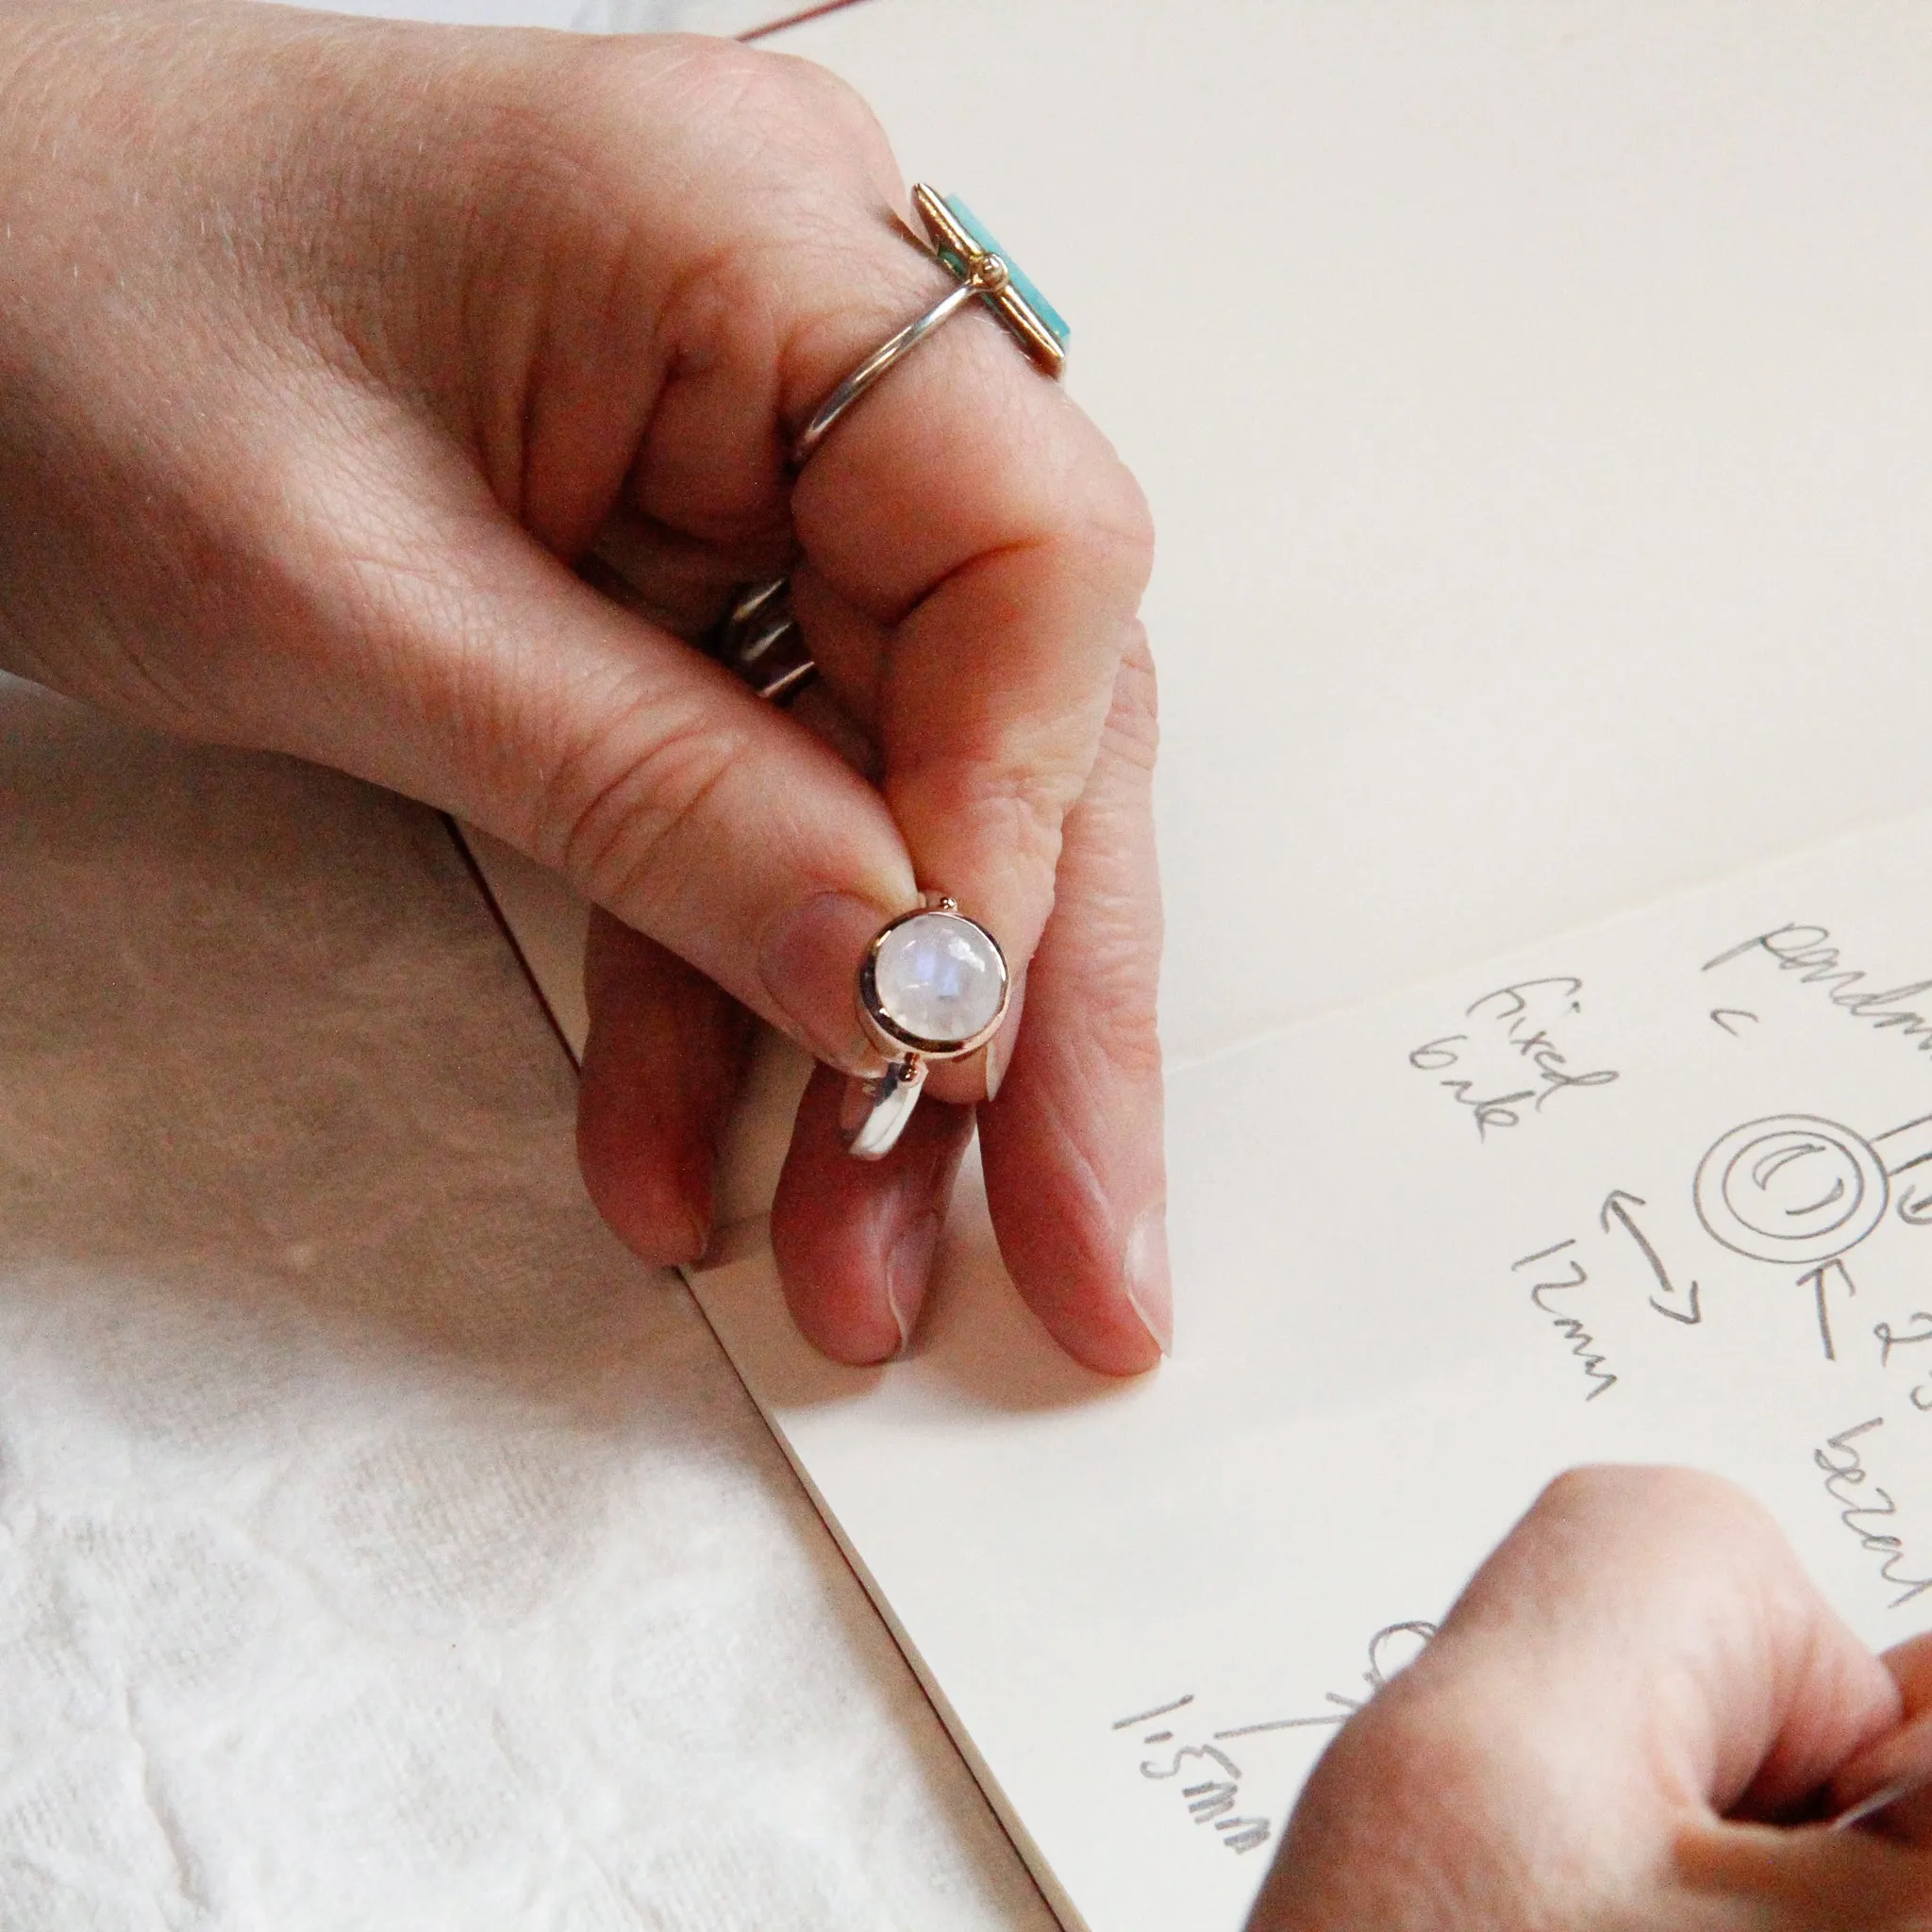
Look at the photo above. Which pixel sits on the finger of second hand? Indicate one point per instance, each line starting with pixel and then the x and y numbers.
pixel 1886 1788
pixel 1641 1653
pixel 855 1239
pixel 1075 1173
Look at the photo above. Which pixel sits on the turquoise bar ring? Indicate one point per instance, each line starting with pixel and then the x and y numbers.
pixel 758 638
pixel 970 251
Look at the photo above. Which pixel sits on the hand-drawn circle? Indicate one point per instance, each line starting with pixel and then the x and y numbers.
pixel 1395 1649
pixel 1792 1187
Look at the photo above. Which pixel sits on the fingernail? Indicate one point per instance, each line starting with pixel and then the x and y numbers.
pixel 698 1240
pixel 997 1054
pixel 999 1051
pixel 1149 1280
pixel 907 1270
pixel 807 960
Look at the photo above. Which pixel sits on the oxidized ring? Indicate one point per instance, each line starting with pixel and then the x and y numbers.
pixel 933 986
pixel 758 638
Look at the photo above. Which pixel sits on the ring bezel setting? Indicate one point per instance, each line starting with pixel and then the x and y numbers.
pixel 875 1111
pixel 893 1036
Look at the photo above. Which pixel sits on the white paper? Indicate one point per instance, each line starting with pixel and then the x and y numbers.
pixel 1533 403
pixel 1604 1200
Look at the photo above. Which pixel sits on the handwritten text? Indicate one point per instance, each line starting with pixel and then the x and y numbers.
pixel 1808 951
pixel 1572 1275
pixel 1845 1476
pixel 1507 1065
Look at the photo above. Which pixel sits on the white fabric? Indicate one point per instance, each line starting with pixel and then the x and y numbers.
pixel 379 1545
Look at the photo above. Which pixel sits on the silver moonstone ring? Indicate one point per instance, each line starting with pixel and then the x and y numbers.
pixel 933 986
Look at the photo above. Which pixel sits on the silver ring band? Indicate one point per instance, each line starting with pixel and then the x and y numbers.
pixel 875 1111
pixel 757 638
pixel 882 360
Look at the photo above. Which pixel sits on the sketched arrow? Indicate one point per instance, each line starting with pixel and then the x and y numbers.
pixel 1819 1281
pixel 1614 1209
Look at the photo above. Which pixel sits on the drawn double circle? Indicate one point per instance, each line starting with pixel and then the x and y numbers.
pixel 1792 1187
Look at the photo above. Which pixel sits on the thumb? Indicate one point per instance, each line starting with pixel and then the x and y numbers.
pixel 449 656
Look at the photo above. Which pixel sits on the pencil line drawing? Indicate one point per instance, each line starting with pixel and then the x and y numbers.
pixel 1386 1656
pixel 1680 1304
pixel 1796 1189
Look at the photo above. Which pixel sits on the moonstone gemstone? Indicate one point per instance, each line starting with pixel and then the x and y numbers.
pixel 939 977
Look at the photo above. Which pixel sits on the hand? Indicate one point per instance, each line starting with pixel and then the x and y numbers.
pixel 1636 1685
pixel 337 354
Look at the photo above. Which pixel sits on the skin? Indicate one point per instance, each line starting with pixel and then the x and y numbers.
pixel 408 398
pixel 1613 1732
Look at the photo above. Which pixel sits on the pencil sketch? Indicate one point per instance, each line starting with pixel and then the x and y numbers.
pixel 1209 1799
pixel 1582 1345
pixel 1678 1303
pixel 1211 1796
pixel 1392 1648
pixel 1797 1191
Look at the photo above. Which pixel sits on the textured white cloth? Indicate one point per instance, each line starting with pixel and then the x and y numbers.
pixel 379 1545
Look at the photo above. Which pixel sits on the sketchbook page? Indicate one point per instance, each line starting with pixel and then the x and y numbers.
pixel 547 921
pixel 1661 1192
pixel 1533 403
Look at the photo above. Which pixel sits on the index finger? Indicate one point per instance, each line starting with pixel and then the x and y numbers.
pixel 975 553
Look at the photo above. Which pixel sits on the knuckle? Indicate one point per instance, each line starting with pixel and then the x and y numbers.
pixel 754 115
pixel 1002 801
pixel 1126 517
pixel 633 801
pixel 827 100
pixel 1133 724
pixel 1128 1021
pixel 1118 966
pixel 1108 518
pixel 1645 1493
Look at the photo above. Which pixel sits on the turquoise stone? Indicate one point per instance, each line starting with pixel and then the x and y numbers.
pixel 1022 285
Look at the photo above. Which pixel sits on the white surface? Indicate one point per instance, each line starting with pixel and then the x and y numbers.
pixel 550 923
pixel 1374 1376
pixel 1534 402
pixel 381 1547
pixel 1534 407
